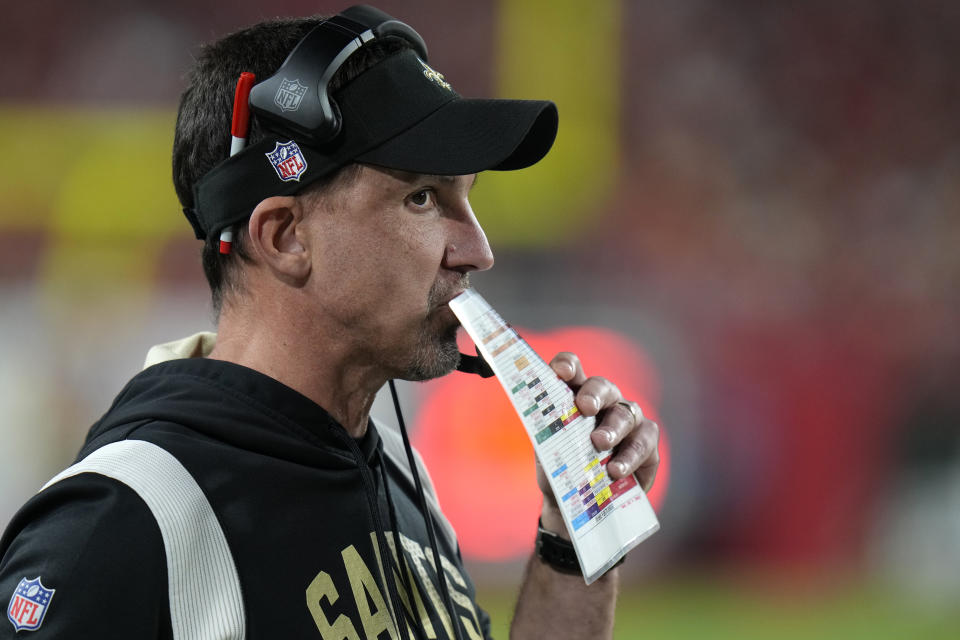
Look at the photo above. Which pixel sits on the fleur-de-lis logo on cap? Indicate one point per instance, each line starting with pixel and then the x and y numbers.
pixel 435 76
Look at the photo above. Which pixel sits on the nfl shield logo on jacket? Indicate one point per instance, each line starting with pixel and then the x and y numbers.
pixel 29 604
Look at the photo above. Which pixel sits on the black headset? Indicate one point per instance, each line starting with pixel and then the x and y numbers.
pixel 296 99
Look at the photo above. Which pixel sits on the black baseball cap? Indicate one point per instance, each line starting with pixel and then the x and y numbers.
pixel 399 114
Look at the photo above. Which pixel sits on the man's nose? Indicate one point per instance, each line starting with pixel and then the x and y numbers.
pixel 467 247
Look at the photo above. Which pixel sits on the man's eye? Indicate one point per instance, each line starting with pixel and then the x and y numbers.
pixel 421 198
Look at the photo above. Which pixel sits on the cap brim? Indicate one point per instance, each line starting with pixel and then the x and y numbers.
pixel 471 135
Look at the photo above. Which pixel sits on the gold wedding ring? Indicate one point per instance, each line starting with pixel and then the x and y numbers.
pixel 637 417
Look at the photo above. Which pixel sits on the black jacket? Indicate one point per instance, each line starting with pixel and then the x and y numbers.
pixel 287 545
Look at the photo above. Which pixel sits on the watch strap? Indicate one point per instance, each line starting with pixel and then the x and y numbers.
pixel 557 552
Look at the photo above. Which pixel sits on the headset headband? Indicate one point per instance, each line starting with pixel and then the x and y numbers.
pixel 312 116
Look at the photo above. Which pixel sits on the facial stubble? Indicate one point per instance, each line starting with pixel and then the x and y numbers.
pixel 436 353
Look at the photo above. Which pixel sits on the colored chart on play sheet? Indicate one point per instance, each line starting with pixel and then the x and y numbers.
pixel 606 518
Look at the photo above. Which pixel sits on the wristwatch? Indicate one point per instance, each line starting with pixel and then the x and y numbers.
pixel 557 552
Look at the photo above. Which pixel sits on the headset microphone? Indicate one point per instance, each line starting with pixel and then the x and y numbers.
pixel 475 364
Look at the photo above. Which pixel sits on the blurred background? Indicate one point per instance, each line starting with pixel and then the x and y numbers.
pixel 750 220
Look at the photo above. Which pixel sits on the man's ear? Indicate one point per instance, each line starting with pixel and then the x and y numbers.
pixel 277 238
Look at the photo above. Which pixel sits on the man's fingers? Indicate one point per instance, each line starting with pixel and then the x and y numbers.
pixel 637 453
pixel 567 366
pixel 595 395
pixel 648 472
pixel 622 426
pixel 618 421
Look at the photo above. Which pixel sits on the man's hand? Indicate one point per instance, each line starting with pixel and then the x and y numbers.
pixel 557 605
pixel 620 426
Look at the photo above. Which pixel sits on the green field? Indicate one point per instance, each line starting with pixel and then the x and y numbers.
pixel 721 608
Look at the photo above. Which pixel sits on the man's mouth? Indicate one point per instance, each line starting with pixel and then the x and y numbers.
pixel 446 301
pixel 455 289
pixel 445 311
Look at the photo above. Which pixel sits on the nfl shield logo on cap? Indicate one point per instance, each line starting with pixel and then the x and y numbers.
pixel 29 604
pixel 287 161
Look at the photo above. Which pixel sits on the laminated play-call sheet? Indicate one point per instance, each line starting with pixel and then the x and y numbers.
pixel 606 518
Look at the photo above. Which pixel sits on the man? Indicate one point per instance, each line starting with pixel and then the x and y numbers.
pixel 237 487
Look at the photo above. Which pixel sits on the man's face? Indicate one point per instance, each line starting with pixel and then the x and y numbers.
pixel 393 248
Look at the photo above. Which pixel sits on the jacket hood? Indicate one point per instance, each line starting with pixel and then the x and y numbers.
pixel 237 405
